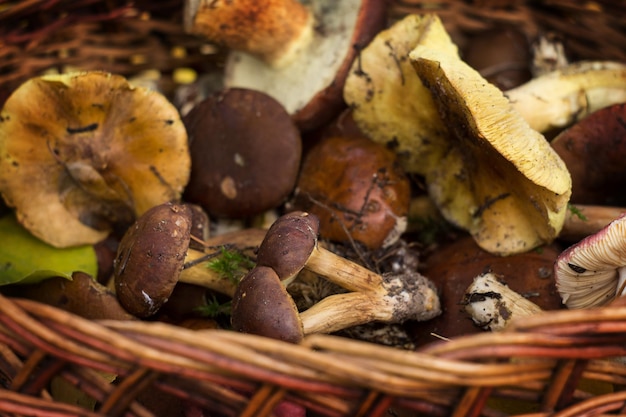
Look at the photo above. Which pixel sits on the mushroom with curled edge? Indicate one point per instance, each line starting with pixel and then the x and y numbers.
pixel 390 104
pixel 291 244
pixel 592 272
pixel 245 153
pixel 152 255
pixel 500 180
pixel 297 52
pixel 95 151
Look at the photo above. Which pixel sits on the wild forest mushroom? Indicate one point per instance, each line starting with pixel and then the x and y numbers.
pixel 593 150
pixel 492 304
pixel 245 153
pixel 152 255
pixel 454 264
pixel 592 272
pixel 262 305
pixel 311 47
pixel 357 190
pixel 557 99
pixel 499 179
pixel 292 241
pixel 82 153
pixel 390 103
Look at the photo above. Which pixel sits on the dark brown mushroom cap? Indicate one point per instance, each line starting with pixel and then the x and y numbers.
pixel 150 258
pixel 84 153
pixel 593 151
pixel 245 153
pixel 289 243
pixel 262 306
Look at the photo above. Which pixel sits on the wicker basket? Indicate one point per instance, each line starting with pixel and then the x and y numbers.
pixel 561 363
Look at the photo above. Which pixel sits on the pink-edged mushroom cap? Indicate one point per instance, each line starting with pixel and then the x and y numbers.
pixel 592 272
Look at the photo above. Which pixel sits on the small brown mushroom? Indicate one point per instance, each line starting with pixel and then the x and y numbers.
pixel 245 153
pixel 262 305
pixel 291 243
pixel 357 189
pixel 305 56
pixel 152 255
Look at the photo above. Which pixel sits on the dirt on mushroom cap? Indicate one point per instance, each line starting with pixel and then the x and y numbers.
pixel 501 180
pixel 94 151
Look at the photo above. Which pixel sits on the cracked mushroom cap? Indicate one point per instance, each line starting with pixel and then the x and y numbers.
pixel 245 153
pixel 592 272
pixel 310 85
pixel 262 306
pixel 150 258
pixel 83 152
pixel 499 179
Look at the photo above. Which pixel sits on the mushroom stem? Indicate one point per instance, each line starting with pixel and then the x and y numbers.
pixel 558 98
pixel 341 271
pixel 213 280
pixel 398 298
pixel 492 305
pixel 584 220
pixel 272 30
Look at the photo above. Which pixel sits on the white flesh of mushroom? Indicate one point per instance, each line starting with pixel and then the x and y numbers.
pixel 297 82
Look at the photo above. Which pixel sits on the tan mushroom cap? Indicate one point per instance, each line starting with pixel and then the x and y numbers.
pixel 82 151
pixel 591 272
pixel 500 179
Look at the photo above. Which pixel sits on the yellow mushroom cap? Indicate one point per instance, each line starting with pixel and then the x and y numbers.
pixel 390 103
pixel 81 152
pixel 499 179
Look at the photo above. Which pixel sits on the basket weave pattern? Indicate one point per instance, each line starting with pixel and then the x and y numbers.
pixel 540 362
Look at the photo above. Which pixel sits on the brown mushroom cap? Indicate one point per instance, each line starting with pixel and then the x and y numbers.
pixel 83 152
pixel 593 151
pixel 357 190
pixel 150 258
pixel 289 243
pixel 245 153
pixel 262 306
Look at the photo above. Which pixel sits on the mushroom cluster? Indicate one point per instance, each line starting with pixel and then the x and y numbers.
pixel 262 305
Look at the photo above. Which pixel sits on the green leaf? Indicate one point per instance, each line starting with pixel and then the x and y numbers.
pixel 26 259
